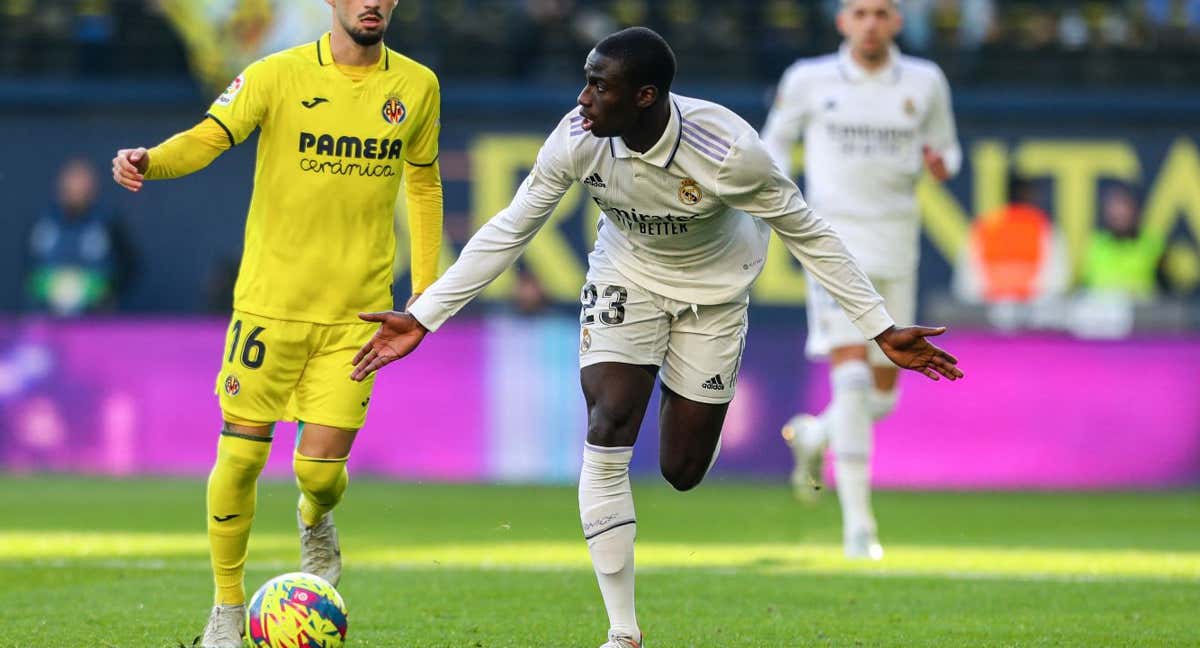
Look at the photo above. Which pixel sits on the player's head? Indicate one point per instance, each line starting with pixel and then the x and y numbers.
pixel 870 26
pixel 365 21
pixel 1022 190
pixel 628 72
pixel 77 186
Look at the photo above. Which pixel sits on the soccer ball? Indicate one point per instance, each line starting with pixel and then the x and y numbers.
pixel 296 610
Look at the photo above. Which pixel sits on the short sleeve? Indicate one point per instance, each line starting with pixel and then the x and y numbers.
pixel 244 104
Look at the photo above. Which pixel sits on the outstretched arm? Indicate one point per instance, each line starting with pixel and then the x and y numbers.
pixel 230 120
pixel 908 349
pixel 489 253
pixel 751 182
pixel 182 154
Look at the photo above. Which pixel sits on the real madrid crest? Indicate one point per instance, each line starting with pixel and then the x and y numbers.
pixel 585 341
pixel 393 110
pixel 689 192
pixel 910 108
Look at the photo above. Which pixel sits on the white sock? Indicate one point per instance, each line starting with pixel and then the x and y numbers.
pixel 881 403
pixel 610 526
pixel 850 431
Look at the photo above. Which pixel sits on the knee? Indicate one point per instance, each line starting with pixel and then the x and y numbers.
pixel 321 480
pixel 683 474
pixel 611 425
pixel 851 380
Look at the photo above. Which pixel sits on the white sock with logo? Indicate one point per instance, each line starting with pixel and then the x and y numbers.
pixel 851 434
pixel 610 526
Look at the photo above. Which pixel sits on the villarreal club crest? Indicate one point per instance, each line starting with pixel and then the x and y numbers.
pixel 394 111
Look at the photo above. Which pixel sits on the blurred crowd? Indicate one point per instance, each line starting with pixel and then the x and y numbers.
pixel 78 258
pixel 1104 41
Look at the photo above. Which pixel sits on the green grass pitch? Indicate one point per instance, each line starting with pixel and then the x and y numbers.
pixel 96 563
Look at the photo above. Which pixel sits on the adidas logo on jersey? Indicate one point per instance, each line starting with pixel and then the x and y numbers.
pixel 714 384
pixel 595 180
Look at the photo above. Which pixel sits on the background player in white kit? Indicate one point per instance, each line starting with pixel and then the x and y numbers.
pixel 677 180
pixel 871 120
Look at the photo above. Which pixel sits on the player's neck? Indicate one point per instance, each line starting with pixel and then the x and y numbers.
pixel 348 52
pixel 649 129
pixel 872 64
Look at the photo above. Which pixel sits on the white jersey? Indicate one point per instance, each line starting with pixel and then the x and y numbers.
pixel 863 138
pixel 684 220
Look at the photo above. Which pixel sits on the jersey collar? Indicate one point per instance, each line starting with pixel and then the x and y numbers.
pixel 324 53
pixel 663 151
pixel 855 73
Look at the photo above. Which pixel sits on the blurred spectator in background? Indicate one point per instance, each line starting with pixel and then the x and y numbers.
pixel 977 23
pixel 529 298
pixel 1174 15
pixel 223 36
pixel 1120 259
pixel 94 31
pixel 530 39
pixel 79 258
pixel 1013 253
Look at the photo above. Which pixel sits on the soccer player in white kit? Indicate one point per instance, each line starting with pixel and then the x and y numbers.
pixel 870 119
pixel 688 196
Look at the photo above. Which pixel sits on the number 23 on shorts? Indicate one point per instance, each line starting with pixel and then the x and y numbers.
pixel 614 295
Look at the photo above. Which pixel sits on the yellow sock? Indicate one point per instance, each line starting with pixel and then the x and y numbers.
pixel 232 491
pixel 322 483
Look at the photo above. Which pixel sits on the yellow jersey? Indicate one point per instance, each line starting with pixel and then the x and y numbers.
pixel 320 244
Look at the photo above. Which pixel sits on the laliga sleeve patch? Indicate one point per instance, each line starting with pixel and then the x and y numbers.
pixel 232 91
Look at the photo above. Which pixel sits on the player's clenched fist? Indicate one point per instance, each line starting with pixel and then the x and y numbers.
pixel 129 168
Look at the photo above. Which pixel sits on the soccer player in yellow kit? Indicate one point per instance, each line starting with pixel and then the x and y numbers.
pixel 343 119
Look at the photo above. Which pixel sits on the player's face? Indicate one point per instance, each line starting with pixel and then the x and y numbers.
pixel 364 20
pixel 870 26
pixel 608 103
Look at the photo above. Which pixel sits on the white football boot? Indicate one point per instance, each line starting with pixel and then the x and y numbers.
pixel 862 545
pixel 622 641
pixel 320 554
pixel 807 440
pixel 225 627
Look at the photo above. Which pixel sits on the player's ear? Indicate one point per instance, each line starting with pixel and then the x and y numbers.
pixel 646 96
pixel 841 22
pixel 897 20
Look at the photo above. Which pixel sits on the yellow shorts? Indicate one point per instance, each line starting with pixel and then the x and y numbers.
pixel 279 370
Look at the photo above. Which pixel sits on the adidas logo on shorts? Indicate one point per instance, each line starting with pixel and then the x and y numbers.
pixel 595 180
pixel 714 384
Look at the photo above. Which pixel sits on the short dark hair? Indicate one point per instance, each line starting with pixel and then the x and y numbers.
pixel 646 58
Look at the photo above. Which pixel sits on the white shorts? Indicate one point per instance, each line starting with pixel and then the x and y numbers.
pixel 698 348
pixel 830 328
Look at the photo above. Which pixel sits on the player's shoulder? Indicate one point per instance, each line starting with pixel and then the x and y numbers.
pixel 400 65
pixel 283 64
pixel 920 69
pixel 302 55
pixel 811 68
pixel 709 128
